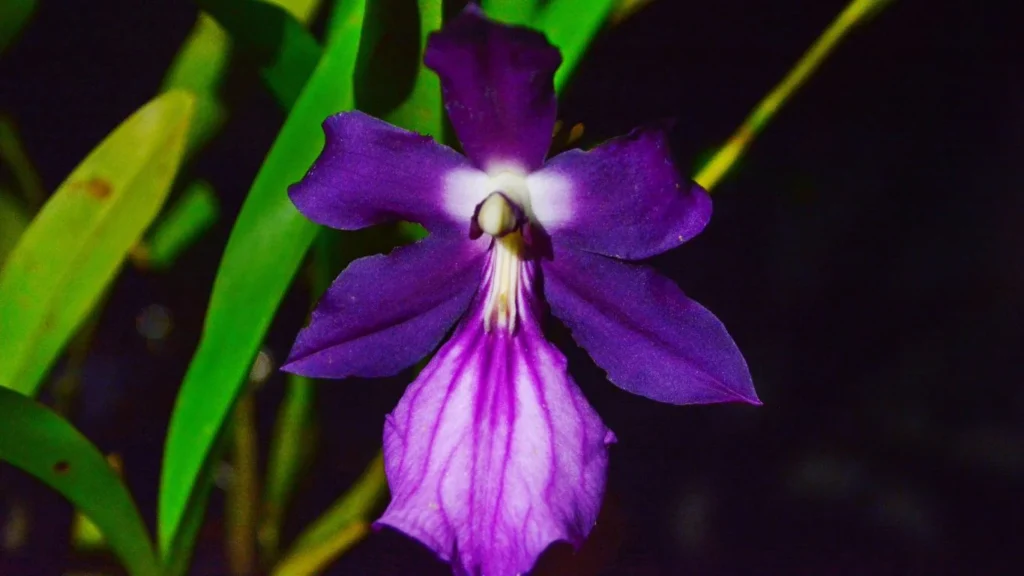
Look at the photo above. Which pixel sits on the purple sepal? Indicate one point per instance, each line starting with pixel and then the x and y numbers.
pixel 385 312
pixel 639 327
pixel 498 88
pixel 372 172
pixel 493 453
pixel 625 198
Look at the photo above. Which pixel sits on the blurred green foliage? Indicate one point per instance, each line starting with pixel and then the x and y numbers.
pixel 73 249
pixel 191 214
pixel 45 445
pixel 13 221
pixel 14 14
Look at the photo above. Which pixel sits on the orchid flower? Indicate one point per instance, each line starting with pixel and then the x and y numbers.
pixel 493 452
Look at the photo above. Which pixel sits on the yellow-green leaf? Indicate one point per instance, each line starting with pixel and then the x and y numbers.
pixel 73 249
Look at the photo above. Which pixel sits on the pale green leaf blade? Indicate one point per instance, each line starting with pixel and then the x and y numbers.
pixel 188 218
pixel 74 247
pixel 199 68
pixel 266 247
pixel 46 446
pixel 510 11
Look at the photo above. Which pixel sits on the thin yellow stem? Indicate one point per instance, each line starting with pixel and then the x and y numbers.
pixel 856 12
pixel 243 493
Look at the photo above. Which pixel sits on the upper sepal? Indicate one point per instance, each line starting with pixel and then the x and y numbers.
pixel 498 88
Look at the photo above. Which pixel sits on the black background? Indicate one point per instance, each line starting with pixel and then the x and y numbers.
pixel 864 255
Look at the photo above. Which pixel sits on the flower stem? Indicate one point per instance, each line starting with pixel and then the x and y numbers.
pixel 338 529
pixel 242 496
pixel 856 12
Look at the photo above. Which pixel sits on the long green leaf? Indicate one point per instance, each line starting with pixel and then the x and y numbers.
pixel 46 446
pixel 337 529
pixel 265 249
pixel 421 110
pixel 571 26
pixel 289 457
pixel 13 154
pixel 14 14
pixel 188 217
pixel 13 221
pixel 199 68
pixel 272 39
pixel 73 249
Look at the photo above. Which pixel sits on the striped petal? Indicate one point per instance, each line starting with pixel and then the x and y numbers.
pixel 493 453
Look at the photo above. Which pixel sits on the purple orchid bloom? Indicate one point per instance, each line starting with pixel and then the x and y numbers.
pixel 493 453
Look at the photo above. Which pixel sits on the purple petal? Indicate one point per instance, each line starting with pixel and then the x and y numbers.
pixel 651 339
pixel 384 313
pixel 623 199
pixel 498 87
pixel 371 172
pixel 493 453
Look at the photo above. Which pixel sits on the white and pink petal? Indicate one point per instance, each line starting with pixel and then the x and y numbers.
pixel 493 453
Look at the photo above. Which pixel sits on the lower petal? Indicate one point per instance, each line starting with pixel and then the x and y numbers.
pixel 385 312
pixel 493 453
pixel 639 326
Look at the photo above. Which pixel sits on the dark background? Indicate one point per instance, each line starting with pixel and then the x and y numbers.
pixel 864 255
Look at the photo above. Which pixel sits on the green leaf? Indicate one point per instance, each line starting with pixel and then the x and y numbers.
pixel 73 249
pixel 571 26
pixel 302 10
pixel 289 457
pixel 191 215
pixel 420 110
pixel 46 446
pixel 14 14
pixel 273 40
pixel 510 11
pixel 199 68
pixel 266 248
pixel 344 524
pixel 13 154
pixel 13 221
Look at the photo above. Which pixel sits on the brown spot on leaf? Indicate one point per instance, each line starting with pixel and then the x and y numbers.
pixel 96 187
pixel 61 467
